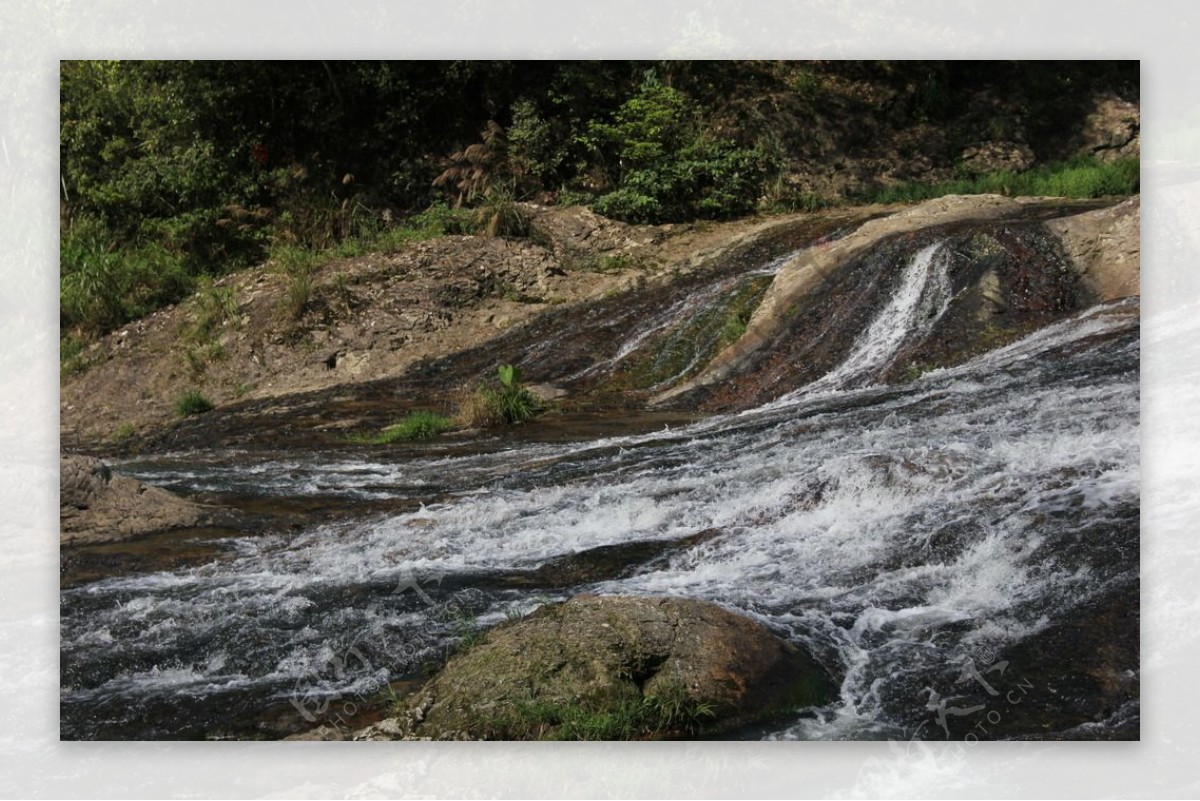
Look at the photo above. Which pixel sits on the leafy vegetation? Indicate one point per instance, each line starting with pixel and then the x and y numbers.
pixel 509 403
pixel 668 168
pixel 176 170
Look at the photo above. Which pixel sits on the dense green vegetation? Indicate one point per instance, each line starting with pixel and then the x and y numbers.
pixel 173 171
pixel 1083 177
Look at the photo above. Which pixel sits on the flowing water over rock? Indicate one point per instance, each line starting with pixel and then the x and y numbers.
pixel 958 549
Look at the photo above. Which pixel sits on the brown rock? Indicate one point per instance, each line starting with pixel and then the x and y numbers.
pixel 1105 247
pixel 1112 130
pixel 988 157
pixel 99 505
pixel 613 668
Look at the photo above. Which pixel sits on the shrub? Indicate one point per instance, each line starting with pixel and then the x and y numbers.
pixel 510 404
pixel 499 214
pixel 669 170
pixel 534 142
pixel 71 357
pixel 104 285
pixel 192 403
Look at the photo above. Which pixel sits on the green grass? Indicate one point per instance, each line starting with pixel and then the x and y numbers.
pixel 71 357
pixel 192 403
pixel 417 425
pixel 666 712
pixel 1084 177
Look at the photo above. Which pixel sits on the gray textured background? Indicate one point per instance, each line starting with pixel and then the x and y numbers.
pixel 34 35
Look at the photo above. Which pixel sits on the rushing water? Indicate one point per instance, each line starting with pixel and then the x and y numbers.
pixel 893 530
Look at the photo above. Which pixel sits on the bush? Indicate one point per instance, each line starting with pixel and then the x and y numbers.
pixel 670 170
pixel 534 142
pixel 192 403
pixel 511 403
pixel 499 214
pixel 103 285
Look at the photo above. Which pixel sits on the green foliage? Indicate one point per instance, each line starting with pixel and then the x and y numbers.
pixel 174 170
pixel 297 293
pixel 1084 177
pixel 617 263
pixel 192 403
pixel 735 326
pixel 71 358
pixel 914 370
pixel 535 143
pixel 515 403
pixel 213 307
pixel 509 376
pixel 509 404
pixel 417 425
pixel 103 286
pixel 123 432
pixel 669 168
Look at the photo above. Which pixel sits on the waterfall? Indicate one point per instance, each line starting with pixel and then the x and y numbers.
pixel 919 301
pixel 890 531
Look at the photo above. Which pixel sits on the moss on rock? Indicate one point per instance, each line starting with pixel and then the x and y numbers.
pixel 614 668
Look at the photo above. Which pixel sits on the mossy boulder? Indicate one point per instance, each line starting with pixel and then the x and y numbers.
pixel 614 668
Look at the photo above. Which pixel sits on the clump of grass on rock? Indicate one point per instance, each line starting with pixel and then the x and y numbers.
pixel 192 403
pixel 487 406
pixel 417 425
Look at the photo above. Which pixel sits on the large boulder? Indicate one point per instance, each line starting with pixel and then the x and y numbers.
pixel 613 668
pixel 1104 247
pixel 1112 130
pixel 99 505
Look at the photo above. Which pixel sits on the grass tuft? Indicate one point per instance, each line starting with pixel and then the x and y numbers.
pixel 192 403
pixel 417 425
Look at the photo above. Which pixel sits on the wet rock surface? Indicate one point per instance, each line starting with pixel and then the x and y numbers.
pixel 1012 271
pixel 613 667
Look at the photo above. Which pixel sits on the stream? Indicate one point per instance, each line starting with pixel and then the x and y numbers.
pixel 928 542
